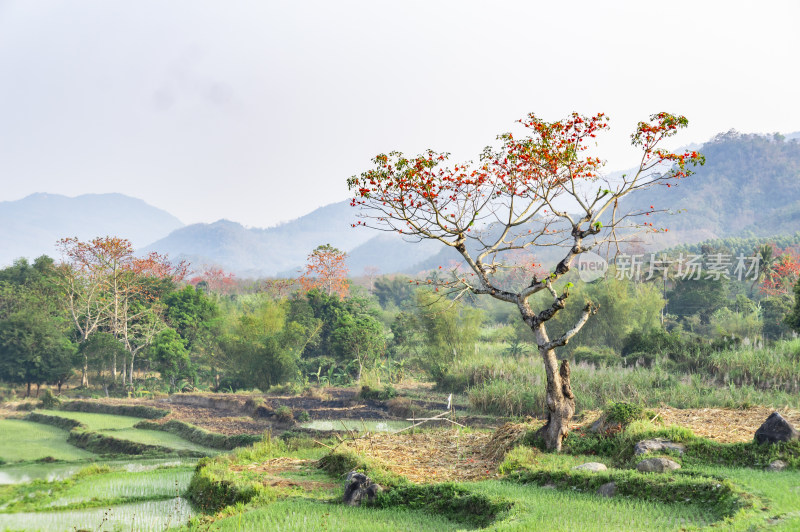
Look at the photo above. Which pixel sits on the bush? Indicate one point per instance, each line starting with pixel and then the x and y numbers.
pixel 284 414
pixel 623 413
pixel 49 400
pixel 303 416
pixel 369 394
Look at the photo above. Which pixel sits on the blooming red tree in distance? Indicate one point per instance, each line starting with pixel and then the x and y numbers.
pixel 539 190
pixel 782 274
pixel 106 287
pixel 326 270
pixel 215 280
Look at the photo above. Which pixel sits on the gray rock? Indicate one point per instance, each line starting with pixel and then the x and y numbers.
pixel 358 487
pixel 657 465
pixel 609 489
pixel 776 429
pixel 777 465
pixel 591 466
pixel 650 446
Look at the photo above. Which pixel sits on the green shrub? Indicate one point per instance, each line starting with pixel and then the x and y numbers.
pixel 50 401
pixel 623 413
pixel 369 394
pixel 449 500
pixel 284 414
pixel 597 355
pixel 303 416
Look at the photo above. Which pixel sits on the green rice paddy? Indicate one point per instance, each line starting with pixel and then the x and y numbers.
pixel 142 516
pixel 28 441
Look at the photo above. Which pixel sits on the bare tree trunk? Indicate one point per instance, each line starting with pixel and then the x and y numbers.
pixel 560 402
pixel 130 373
pixel 28 393
pixel 85 372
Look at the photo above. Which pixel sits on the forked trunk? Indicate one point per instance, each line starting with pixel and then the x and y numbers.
pixel 560 402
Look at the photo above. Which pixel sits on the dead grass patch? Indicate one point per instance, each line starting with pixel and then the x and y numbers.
pixel 724 425
pixel 430 457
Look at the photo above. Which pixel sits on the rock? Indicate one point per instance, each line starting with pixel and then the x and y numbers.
pixel 777 465
pixel 591 466
pixel 776 429
pixel 649 446
pixel 609 489
pixel 549 486
pixel 657 465
pixel 358 487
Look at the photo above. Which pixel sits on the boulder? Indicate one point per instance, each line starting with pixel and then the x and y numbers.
pixel 609 489
pixel 776 429
pixel 358 487
pixel 657 465
pixel 777 465
pixel 650 446
pixel 591 466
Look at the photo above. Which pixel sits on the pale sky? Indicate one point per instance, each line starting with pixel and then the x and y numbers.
pixel 259 111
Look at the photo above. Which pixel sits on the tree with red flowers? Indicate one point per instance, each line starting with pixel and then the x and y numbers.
pixel 214 280
pixel 105 287
pixel 782 274
pixel 542 189
pixel 326 270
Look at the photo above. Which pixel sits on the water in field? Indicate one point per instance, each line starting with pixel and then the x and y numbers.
pixel 144 516
pixel 17 474
pixel 370 425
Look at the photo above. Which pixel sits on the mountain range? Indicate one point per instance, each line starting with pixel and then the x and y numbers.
pixel 749 186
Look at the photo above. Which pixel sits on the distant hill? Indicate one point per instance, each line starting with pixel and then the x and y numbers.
pixel 749 187
pixel 31 226
pixel 259 252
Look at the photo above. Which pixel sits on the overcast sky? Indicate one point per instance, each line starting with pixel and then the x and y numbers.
pixel 259 111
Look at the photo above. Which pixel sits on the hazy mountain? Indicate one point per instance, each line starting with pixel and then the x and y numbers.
pixel 749 187
pixel 31 226
pixel 261 252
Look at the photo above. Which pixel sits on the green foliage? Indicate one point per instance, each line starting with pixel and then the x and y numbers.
pixel 49 400
pixel 170 357
pixel 359 338
pixel 449 500
pixel 624 307
pixel 284 414
pixel 719 497
pixel 396 291
pixel 450 330
pixel 624 413
pixel 371 394
pixel 793 318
